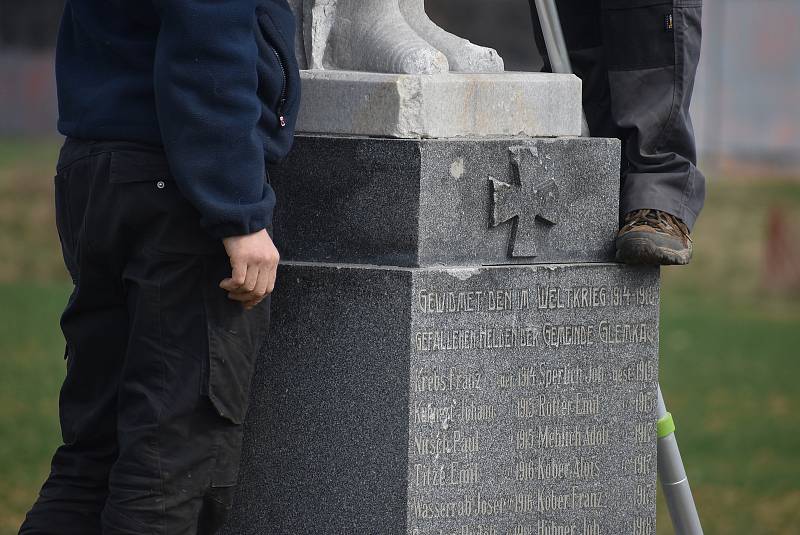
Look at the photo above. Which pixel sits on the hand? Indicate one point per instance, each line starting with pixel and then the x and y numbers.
pixel 254 262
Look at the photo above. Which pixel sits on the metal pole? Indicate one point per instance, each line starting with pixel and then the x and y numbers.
pixel 558 34
pixel 674 483
pixel 556 45
pixel 557 63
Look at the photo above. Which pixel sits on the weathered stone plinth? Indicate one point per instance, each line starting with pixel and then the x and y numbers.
pixel 496 400
pixel 441 105
pixel 451 352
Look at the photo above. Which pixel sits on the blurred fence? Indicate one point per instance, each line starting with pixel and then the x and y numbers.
pixel 745 108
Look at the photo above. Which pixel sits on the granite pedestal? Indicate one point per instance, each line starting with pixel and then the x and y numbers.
pixel 451 350
pixel 456 201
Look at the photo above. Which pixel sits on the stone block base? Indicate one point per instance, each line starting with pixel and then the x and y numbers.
pixel 492 400
pixel 440 105
pixel 448 201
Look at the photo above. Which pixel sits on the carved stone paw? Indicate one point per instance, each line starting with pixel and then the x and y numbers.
pixel 462 55
pixel 394 36
pixel 374 36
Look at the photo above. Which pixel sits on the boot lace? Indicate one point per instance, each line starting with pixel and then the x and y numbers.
pixel 657 220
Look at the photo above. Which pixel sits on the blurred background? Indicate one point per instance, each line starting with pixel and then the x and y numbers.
pixel 730 321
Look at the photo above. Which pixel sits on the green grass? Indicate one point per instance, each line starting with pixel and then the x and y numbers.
pixel 729 364
pixel 28 236
pixel 31 370
pixel 729 373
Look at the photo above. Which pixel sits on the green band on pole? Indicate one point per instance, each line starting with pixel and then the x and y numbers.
pixel 665 426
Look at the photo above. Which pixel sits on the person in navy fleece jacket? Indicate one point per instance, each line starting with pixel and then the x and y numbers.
pixel 172 112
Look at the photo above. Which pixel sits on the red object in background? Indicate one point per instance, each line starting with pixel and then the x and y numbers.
pixel 27 93
pixel 782 259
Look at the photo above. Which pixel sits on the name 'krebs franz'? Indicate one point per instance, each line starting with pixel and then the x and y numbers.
pixel 451 379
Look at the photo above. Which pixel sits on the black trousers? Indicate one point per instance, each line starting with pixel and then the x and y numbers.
pixel 159 360
pixel 637 60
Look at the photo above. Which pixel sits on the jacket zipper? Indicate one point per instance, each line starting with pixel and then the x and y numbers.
pixel 282 101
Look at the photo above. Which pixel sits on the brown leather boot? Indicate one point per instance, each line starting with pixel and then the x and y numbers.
pixel 653 237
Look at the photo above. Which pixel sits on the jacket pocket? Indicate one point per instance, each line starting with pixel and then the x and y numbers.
pixel 276 70
pixel 278 79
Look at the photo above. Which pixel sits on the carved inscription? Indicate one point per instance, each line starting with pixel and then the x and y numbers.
pixel 501 336
pixel 532 406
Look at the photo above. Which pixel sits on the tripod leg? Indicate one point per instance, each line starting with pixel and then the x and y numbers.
pixel 674 482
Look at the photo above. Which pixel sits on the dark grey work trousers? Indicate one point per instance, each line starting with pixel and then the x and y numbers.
pixel 637 60
pixel 159 360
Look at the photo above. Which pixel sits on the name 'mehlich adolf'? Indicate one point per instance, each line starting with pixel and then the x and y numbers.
pixel 547 436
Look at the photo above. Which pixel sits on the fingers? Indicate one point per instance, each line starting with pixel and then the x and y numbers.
pixel 238 273
pixel 245 290
pixel 251 279
pixel 254 263
pixel 237 279
pixel 262 285
pixel 251 298
pixel 258 283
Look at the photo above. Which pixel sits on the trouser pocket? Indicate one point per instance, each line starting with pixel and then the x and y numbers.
pixel 638 36
pixel 185 265
pixel 63 225
pixel 235 336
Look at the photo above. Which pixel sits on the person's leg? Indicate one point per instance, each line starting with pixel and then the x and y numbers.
pixel 190 355
pixel 652 50
pixel 178 458
pixel 637 60
pixel 584 39
pixel 95 327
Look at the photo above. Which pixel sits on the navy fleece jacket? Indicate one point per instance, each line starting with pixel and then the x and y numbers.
pixel 215 82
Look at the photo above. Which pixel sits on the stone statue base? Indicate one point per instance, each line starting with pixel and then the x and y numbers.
pixel 440 105
pixel 451 352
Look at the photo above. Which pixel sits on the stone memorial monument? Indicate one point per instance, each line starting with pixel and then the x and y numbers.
pixel 452 351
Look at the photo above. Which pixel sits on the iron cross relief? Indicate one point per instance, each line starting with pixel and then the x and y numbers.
pixel 534 203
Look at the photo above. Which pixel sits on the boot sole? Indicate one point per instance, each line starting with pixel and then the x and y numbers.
pixel 639 248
